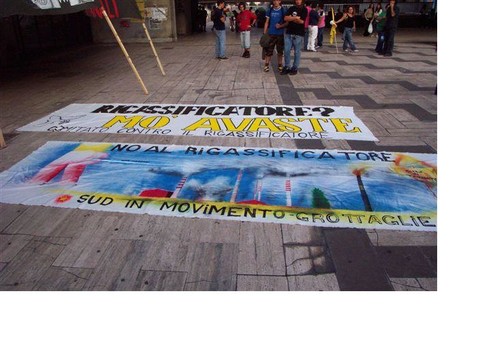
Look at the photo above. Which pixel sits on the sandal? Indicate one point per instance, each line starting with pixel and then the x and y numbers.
pixel 266 68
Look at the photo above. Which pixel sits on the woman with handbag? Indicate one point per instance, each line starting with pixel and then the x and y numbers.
pixel 368 20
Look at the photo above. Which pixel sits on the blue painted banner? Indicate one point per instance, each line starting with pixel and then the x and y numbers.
pixel 330 188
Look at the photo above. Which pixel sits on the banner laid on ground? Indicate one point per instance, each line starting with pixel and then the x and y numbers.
pixel 242 121
pixel 330 188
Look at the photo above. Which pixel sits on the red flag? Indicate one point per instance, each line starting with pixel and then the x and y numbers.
pixel 116 9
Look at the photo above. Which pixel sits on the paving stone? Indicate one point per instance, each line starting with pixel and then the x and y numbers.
pixel 31 263
pixel 428 284
pixel 216 231
pixel 261 250
pixel 402 238
pixel 213 267
pixel 400 141
pixel 293 234
pixel 63 279
pixel 408 261
pixel 38 221
pixel 307 260
pixel 262 283
pixel 10 213
pixel 86 250
pixel 356 262
pixel 406 284
pixel 10 245
pixel 167 256
pixel 410 132
pixel 152 280
pixel 119 267
pixel 430 141
pixel 322 282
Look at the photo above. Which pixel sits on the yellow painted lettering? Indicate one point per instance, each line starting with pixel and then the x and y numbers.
pixel 154 122
pixel 342 123
pixel 228 122
pixel 129 121
pixel 204 123
pixel 284 124
pixel 315 123
pixel 262 123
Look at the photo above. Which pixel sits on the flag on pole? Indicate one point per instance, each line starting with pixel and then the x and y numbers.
pixel 333 30
pixel 45 7
pixel 117 9
pixel 114 8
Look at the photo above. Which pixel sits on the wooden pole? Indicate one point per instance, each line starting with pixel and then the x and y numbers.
pixel 153 48
pixel 336 47
pixel 2 140
pixel 124 51
pixel 335 36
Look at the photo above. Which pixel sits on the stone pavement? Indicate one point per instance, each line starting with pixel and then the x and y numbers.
pixel 44 248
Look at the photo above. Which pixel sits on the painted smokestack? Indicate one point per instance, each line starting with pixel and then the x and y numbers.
pixel 258 189
pixel 236 186
pixel 364 195
pixel 179 187
pixel 288 190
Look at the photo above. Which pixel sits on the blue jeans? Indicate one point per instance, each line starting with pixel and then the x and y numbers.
pixel 220 43
pixel 320 36
pixel 389 34
pixel 347 36
pixel 306 36
pixel 380 42
pixel 296 42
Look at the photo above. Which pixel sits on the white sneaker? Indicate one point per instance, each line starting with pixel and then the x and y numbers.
pixel 345 50
pixel 355 50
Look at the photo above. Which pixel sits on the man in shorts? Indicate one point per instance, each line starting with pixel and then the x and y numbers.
pixel 275 27
pixel 245 20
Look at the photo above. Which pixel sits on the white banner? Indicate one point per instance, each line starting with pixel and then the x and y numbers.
pixel 329 188
pixel 241 121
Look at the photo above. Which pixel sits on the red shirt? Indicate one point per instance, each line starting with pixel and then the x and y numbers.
pixel 245 18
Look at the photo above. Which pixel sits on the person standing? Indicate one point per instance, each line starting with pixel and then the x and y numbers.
pixel 275 27
pixel 212 17
pixel 232 20
pixel 349 28
pixel 321 25
pixel 294 36
pixel 245 20
pixel 391 25
pixel 313 28
pixel 379 27
pixel 369 13
pixel 306 24
pixel 220 31
pixel 235 15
